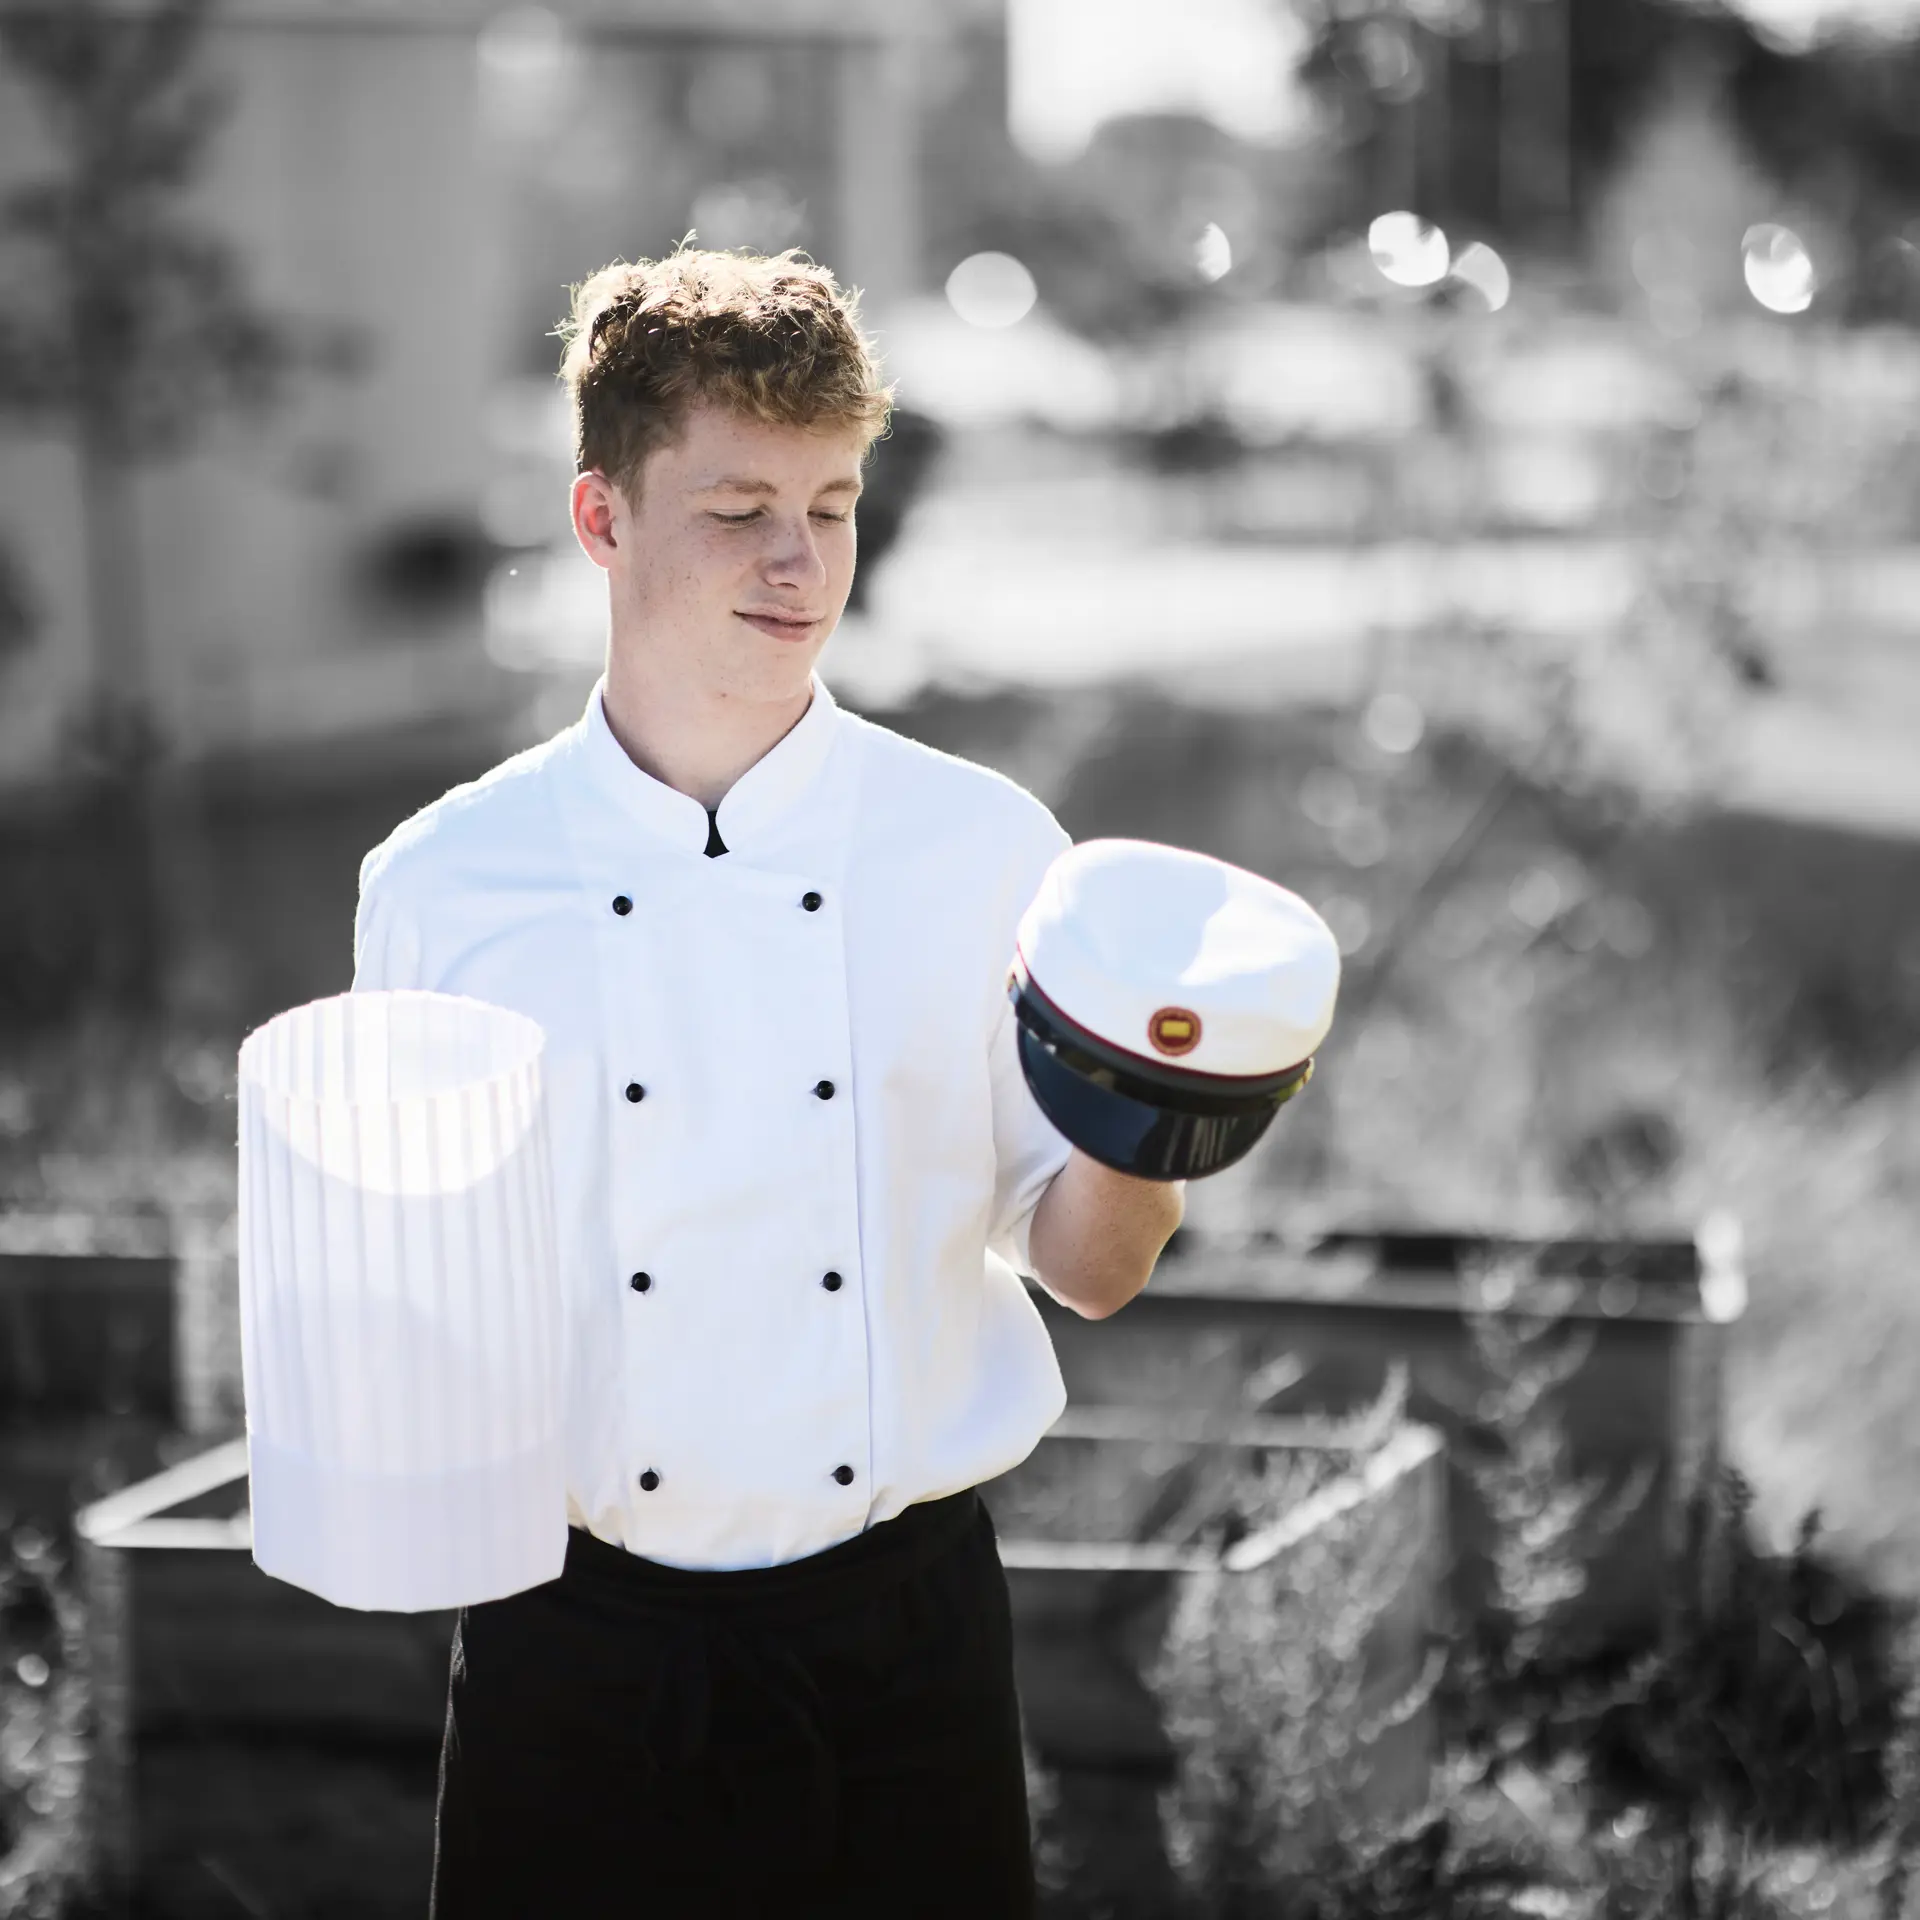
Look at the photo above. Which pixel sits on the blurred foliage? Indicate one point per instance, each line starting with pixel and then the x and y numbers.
pixel 1548 1519
pixel 1113 239
pixel 45 1726
pixel 1769 1714
pixel 1110 236
pixel 114 1115
pixel 1264 1681
pixel 1764 1743
pixel 1769 1711
pixel 1903 1784
pixel 1514 110
pixel 1750 468
pixel 60 880
pixel 1766 471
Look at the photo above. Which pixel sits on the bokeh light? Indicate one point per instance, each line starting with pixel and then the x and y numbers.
pixel 524 44
pixel 757 213
pixel 1779 269
pixel 1361 840
pixel 1408 250
pixel 1328 796
pixel 1212 253
pixel 1394 723
pixel 1536 897
pixel 1381 56
pixel 1663 258
pixel 1348 920
pixel 991 290
pixel 1480 268
pixel 530 72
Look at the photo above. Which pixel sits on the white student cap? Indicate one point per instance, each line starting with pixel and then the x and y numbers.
pixel 1181 959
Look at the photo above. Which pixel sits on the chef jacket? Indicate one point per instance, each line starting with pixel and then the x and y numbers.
pixel 795 1158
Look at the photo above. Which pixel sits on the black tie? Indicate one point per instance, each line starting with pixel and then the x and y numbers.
pixel 715 845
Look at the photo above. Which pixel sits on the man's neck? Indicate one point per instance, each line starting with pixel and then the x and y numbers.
pixel 696 742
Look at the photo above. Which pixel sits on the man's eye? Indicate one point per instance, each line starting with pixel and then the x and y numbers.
pixel 746 519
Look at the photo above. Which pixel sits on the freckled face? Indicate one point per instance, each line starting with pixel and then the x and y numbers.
pixel 737 557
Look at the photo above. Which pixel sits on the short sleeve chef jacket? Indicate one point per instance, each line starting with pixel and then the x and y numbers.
pixel 795 1157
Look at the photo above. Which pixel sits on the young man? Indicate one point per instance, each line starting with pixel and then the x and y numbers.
pixel 768 942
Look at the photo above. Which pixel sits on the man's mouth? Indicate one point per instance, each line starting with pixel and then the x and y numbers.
pixel 780 626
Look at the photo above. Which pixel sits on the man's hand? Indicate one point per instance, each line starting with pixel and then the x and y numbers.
pixel 1096 1234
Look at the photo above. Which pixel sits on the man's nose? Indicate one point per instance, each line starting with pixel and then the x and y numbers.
pixel 794 559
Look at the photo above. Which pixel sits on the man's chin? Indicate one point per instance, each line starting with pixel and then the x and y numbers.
pixel 775 669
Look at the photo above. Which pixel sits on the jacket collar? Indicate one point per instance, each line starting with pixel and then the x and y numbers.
pixel 768 790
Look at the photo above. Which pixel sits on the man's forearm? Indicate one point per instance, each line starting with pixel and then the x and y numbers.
pixel 1096 1234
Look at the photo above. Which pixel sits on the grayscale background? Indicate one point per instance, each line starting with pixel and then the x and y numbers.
pixel 1455 457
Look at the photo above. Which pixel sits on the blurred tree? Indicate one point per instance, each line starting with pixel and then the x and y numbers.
pixel 1512 114
pixel 1163 224
pixel 1110 237
pixel 127 326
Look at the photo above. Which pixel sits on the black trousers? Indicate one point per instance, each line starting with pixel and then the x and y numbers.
pixel 836 1737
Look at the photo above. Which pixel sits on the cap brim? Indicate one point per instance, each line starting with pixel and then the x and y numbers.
pixel 1131 1135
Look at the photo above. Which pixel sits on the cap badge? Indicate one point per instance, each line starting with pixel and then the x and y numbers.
pixel 1174 1030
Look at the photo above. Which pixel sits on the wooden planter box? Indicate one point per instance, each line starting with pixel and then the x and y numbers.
pixel 1322 1327
pixel 195 1654
pixel 1092 1608
pixel 205 1669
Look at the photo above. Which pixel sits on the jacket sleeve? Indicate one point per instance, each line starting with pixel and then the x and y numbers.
pixel 1028 1149
pixel 386 939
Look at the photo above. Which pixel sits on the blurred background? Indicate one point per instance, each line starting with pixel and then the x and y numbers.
pixel 1454 456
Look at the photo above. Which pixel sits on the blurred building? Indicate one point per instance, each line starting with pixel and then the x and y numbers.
pixel 432 176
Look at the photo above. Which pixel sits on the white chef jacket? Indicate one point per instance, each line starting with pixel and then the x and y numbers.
pixel 763 1069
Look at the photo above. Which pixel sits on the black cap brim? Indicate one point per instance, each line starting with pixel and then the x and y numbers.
pixel 1134 1136
pixel 1154 1121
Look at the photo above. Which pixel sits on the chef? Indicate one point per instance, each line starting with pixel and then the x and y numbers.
pixel 798 1169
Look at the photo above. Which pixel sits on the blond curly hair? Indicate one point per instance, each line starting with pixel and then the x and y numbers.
pixel 772 336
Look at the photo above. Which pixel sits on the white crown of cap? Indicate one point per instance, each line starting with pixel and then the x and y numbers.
pixel 1122 931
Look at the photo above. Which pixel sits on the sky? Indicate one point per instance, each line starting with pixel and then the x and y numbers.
pixel 1076 63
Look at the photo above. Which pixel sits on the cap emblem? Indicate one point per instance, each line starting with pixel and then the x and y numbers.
pixel 1174 1030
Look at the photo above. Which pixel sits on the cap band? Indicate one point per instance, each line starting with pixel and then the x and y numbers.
pixel 1131 1074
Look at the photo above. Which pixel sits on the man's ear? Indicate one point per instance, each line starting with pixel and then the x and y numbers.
pixel 595 509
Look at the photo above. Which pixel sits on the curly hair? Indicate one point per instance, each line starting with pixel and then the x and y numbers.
pixel 774 337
